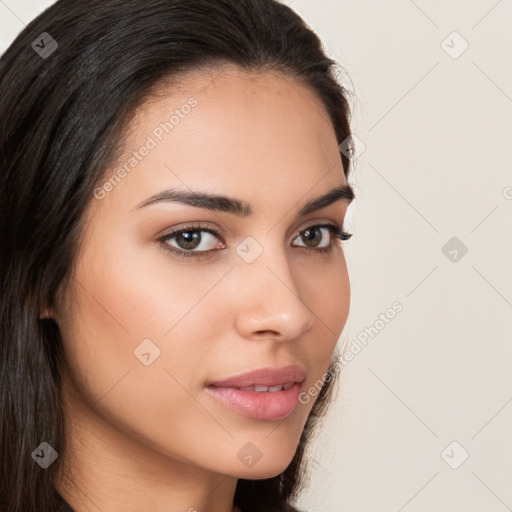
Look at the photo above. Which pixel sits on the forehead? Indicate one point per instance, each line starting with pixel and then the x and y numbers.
pixel 232 105
pixel 230 129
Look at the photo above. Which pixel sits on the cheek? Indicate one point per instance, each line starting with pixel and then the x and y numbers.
pixel 119 304
pixel 328 296
pixel 329 299
pixel 133 293
pixel 133 301
pixel 333 295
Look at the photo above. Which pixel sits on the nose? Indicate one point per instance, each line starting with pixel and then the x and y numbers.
pixel 269 303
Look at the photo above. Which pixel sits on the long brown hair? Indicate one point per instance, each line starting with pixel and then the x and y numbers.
pixel 69 84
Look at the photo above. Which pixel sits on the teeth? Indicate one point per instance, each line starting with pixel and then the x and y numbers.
pixel 272 389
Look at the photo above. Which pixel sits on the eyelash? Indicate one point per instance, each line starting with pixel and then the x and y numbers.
pixel 335 230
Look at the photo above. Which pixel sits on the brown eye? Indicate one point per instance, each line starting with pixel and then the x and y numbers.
pixel 313 235
pixel 191 241
pixel 188 239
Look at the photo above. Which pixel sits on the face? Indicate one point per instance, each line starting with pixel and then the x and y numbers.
pixel 152 317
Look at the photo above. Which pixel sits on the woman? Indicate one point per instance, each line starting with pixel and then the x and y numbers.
pixel 173 284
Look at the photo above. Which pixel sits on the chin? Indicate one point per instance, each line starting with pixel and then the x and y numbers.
pixel 261 470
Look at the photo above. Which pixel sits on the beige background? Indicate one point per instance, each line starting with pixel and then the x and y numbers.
pixel 435 123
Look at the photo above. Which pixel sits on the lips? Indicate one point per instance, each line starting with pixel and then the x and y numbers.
pixel 267 394
pixel 264 379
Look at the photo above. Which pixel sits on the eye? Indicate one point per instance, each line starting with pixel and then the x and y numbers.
pixel 315 235
pixel 190 240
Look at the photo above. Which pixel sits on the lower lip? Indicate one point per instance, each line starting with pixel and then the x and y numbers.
pixel 259 405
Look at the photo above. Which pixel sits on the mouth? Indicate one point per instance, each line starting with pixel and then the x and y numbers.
pixel 264 394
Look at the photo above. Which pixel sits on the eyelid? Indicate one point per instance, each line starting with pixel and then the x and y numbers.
pixel 310 223
pixel 191 226
pixel 203 226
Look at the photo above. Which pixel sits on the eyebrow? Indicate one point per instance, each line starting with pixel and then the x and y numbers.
pixel 241 208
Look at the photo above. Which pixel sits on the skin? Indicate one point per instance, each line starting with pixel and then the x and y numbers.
pixel 150 437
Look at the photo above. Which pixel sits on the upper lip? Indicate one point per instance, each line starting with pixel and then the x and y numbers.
pixel 268 376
